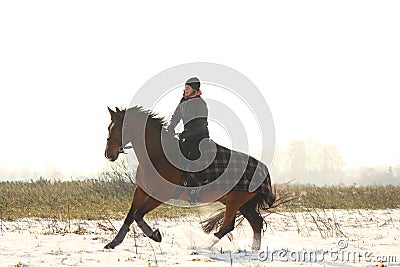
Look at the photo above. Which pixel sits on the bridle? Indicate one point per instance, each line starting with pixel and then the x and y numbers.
pixel 121 148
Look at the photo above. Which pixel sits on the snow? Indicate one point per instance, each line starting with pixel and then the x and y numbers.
pixel 329 237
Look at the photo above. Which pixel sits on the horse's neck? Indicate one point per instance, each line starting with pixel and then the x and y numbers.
pixel 146 144
pixel 153 157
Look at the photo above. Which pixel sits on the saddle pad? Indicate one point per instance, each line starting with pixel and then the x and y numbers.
pixel 229 170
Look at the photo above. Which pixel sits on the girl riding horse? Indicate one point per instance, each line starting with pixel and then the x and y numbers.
pixel 193 111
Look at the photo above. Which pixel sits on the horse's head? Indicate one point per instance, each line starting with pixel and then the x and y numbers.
pixel 114 141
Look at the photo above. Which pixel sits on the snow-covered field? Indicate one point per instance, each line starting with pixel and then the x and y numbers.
pixel 330 238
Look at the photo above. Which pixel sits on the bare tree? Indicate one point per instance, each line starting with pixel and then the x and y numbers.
pixel 311 162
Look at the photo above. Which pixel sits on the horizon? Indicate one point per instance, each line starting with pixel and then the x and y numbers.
pixel 50 172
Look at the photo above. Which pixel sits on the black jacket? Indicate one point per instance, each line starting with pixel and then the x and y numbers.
pixel 193 112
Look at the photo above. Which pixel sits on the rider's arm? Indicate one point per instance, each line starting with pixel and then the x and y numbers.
pixel 176 117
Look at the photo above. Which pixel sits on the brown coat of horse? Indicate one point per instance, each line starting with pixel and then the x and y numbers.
pixel 145 132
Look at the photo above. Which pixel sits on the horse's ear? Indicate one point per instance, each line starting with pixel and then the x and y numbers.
pixel 111 111
pixel 117 109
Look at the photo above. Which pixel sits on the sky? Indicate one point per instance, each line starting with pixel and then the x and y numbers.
pixel 329 71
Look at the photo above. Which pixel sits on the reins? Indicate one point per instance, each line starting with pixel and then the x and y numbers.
pixel 123 147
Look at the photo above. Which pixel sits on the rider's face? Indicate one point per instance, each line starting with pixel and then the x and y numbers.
pixel 189 90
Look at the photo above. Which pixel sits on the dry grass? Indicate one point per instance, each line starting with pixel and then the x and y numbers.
pixel 345 197
pixel 105 199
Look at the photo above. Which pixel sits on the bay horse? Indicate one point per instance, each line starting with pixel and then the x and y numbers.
pixel 153 162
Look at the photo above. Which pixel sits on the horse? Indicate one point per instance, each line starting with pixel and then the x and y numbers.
pixel 146 129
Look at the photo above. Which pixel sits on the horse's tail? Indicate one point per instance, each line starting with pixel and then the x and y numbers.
pixel 214 221
pixel 264 202
pixel 261 202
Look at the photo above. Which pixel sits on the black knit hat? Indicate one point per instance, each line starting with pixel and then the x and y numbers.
pixel 193 82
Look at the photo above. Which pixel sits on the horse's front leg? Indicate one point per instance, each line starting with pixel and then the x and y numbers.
pixel 148 206
pixel 139 198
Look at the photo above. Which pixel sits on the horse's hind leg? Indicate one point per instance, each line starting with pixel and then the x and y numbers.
pixel 255 220
pixel 234 200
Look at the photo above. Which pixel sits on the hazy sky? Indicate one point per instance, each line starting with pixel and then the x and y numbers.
pixel 329 70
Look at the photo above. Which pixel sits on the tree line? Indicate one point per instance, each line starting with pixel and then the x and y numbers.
pixel 322 164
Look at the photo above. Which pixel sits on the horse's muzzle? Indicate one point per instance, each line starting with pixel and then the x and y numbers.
pixel 111 157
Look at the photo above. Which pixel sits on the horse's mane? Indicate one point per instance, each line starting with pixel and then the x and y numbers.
pixel 151 116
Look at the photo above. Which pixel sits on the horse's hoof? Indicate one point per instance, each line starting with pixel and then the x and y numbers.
pixel 214 240
pixel 110 246
pixel 256 247
pixel 156 236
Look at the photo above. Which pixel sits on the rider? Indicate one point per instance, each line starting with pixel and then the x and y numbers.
pixel 193 111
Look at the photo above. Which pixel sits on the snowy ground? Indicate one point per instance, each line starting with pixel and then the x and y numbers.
pixel 330 238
